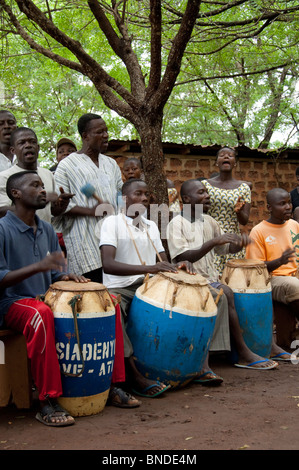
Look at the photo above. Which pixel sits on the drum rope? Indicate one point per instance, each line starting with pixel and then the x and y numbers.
pixel 73 304
pixel 136 248
pixel 148 235
pixel 248 273
pixel 182 283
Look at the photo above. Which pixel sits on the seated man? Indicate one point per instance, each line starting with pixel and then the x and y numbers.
pixel 127 255
pixel 276 241
pixel 196 238
pixel 30 260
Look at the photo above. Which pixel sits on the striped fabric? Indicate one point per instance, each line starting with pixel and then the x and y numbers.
pixel 80 233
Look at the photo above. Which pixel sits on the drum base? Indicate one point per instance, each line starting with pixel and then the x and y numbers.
pixel 255 313
pixel 169 346
pixel 84 406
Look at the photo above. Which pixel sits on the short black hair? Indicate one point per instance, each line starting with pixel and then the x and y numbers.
pixel 275 193
pixel 14 182
pixel 2 111
pixel 84 121
pixel 20 129
pixel 186 185
pixel 297 171
pixel 128 183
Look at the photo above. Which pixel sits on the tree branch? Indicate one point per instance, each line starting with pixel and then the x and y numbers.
pixel 156 44
pixel 272 118
pixel 121 46
pixel 37 47
pixel 175 56
pixel 90 67
pixel 214 77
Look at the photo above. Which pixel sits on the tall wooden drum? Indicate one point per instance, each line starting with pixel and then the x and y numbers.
pixel 84 318
pixel 171 323
pixel 250 281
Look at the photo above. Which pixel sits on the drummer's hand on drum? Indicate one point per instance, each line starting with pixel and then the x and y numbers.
pixel 74 277
pixel 164 266
pixel 187 266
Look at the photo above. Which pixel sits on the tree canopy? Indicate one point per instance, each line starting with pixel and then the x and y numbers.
pixel 188 71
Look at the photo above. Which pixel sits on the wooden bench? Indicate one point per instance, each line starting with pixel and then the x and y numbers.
pixel 15 378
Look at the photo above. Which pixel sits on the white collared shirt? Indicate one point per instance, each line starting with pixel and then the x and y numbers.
pixel 115 232
pixel 6 163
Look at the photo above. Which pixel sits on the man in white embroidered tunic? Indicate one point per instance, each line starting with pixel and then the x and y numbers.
pixel 79 224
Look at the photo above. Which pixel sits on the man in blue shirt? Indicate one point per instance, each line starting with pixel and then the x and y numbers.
pixel 30 260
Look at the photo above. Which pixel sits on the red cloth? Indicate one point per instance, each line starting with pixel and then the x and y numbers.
pixel 35 320
pixel 119 373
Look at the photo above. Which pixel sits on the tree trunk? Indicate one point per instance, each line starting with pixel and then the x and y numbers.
pixel 150 131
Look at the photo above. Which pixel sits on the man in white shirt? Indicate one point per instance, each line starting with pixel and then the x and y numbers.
pixel 125 263
pixel 8 123
pixel 87 166
pixel 24 144
pixel 197 238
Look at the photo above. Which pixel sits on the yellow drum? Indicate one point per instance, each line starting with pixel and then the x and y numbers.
pixel 84 317
pixel 171 323
pixel 250 281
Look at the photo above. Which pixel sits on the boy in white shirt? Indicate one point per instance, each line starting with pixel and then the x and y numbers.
pixel 127 255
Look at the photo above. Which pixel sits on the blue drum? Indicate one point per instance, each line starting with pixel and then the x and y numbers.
pixel 250 281
pixel 171 323
pixel 84 318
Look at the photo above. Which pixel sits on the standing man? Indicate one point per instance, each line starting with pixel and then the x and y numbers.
pixel 8 123
pixel 24 145
pixel 78 224
pixel 31 260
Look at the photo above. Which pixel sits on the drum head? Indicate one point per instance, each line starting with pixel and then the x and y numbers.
pixel 186 278
pixel 77 286
pixel 244 263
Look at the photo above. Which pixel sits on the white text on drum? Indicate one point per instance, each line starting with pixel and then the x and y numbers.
pixel 91 352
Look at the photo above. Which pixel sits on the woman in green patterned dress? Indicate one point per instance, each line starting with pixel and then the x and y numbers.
pixel 230 199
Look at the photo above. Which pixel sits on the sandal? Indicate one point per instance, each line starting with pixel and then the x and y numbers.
pixel 209 378
pixel 54 411
pixel 122 399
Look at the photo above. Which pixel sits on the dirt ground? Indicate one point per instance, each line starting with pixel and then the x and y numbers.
pixel 251 410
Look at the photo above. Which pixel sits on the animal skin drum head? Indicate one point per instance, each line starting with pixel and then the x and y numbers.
pixel 244 263
pixel 77 286
pixel 183 276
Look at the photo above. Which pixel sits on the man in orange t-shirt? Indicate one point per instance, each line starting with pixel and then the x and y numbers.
pixel 276 241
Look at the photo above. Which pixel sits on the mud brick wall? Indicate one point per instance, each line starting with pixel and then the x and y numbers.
pixel 264 169
pixel 263 174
